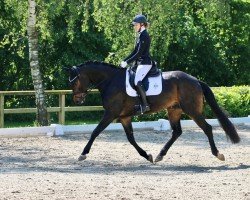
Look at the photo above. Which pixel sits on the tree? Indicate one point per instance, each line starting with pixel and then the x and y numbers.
pixel 34 65
pixel 208 39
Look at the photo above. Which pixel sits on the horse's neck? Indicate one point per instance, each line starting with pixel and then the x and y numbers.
pixel 100 74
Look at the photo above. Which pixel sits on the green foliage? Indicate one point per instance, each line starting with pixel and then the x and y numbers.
pixel 13 45
pixel 235 101
pixel 207 39
pixel 67 36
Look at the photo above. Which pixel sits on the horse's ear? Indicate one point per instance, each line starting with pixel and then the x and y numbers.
pixel 66 69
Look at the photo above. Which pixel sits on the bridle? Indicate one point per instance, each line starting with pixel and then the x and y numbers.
pixel 85 93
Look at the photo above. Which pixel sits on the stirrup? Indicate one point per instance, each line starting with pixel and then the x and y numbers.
pixel 139 109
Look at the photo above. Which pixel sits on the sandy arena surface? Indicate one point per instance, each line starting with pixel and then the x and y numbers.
pixel 46 168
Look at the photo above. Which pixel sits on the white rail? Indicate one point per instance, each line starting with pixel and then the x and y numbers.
pixel 57 129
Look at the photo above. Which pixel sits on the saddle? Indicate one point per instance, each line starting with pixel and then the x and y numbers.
pixel 154 72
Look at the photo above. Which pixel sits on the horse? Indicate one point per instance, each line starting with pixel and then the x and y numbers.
pixel 181 93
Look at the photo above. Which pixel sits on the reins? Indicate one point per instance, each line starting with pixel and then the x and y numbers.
pixel 92 87
pixel 84 94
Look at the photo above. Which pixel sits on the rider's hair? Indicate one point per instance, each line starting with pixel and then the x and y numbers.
pixel 145 24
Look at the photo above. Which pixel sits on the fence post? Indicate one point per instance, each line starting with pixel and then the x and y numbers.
pixel 1 110
pixel 62 108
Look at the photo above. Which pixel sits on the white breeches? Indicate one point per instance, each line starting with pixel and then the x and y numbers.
pixel 141 72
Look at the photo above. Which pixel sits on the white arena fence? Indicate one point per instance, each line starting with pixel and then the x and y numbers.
pixel 59 130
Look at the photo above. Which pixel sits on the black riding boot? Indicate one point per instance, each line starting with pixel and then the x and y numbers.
pixel 141 92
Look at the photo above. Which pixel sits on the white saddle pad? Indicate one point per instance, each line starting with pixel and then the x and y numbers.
pixel 155 86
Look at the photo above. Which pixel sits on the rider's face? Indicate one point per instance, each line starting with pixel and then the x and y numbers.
pixel 137 27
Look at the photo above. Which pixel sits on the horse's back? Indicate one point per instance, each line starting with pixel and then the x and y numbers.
pixel 181 79
pixel 185 87
pixel 178 75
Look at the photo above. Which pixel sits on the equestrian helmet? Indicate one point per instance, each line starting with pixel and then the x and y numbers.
pixel 139 19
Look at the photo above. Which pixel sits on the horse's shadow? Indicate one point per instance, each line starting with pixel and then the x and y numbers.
pixel 30 159
pixel 152 169
pixel 67 165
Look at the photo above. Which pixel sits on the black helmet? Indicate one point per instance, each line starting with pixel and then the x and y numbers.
pixel 139 19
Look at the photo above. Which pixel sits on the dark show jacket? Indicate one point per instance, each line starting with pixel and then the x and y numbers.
pixel 141 53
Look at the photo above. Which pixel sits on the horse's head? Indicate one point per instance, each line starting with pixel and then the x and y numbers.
pixel 79 83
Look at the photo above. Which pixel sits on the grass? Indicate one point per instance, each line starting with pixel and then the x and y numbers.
pixel 18 124
pixel 33 124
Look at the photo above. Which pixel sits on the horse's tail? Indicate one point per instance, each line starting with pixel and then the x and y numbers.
pixel 225 123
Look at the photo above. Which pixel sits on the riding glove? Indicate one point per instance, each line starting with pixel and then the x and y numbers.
pixel 124 64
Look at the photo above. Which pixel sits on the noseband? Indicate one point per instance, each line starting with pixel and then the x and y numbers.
pixel 77 76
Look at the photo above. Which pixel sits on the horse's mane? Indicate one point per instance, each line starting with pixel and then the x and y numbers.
pixel 95 63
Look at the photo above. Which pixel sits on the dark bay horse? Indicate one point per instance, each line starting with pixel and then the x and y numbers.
pixel 181 93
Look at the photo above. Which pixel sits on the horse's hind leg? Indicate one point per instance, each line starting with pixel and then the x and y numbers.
pixel 127 125
pixel 207 128
pixel 174 119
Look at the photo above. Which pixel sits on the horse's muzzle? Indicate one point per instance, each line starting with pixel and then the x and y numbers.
pixel 79 98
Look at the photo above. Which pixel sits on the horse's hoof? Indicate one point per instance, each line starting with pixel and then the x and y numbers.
pixel 150 158
pixel 221 157
pixel 82 157
pixel 158 158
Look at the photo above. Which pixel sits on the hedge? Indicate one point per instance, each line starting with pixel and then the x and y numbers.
pixel 235 101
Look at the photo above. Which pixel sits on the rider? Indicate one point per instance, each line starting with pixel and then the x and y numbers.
pixel 141 56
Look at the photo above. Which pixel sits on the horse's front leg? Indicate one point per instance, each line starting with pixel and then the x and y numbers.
pixel 106 120
pixel 127 125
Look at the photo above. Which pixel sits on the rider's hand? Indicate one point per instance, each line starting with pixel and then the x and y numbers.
pixel 124 64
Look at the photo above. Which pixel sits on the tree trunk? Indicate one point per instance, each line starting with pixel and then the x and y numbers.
pixel 34 65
